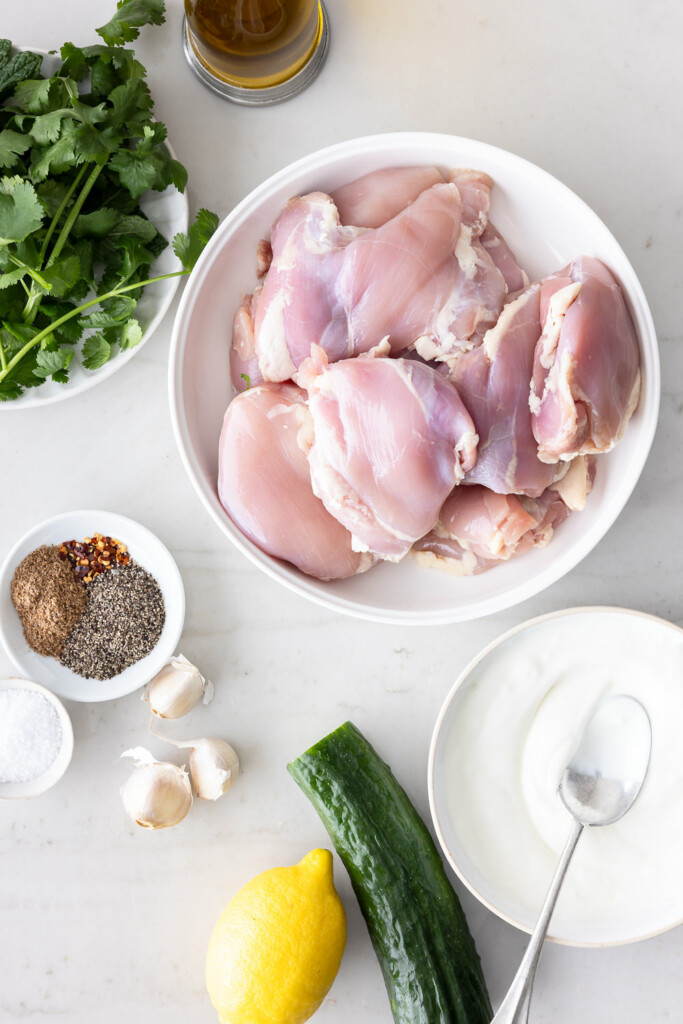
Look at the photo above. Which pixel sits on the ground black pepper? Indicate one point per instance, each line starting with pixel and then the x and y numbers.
pixel 121 624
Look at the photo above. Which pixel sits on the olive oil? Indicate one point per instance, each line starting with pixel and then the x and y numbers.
pixel 253 44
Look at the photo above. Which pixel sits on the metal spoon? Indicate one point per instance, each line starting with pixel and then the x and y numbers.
pixel 598 787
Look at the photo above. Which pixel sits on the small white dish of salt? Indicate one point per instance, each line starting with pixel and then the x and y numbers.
pixel 36 739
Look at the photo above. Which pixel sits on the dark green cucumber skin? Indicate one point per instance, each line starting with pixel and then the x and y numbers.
pixel 430 964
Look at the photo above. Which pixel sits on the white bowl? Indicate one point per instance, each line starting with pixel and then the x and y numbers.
pixel 41 783
pixel 147 550
pixel 546 226
pixel 503 858
pixel 169 212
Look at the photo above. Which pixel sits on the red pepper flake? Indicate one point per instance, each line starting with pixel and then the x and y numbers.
pixel 94 555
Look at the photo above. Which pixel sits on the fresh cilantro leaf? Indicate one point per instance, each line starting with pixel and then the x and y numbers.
pixel 67 333
pixel 89 114
pixel 207 222
pixel 63 275
pixel 56 158
pixel 97 224
pixel 15 335
pixel 120 307
pixel 10 390
pixel 20 377
pixel 85 250
pixel 245 377
pixel 130 16
pixel 11 277
pixel 51 194
pixel 152 135
pixel 91 144
pixel 101 320
pixel 33 96
pixel 136 171
pixel 171 172
pixel 51 362
pixel 27 252
pixel 20 210
pixel 21 66
pixel 131 104
pixel 47 127
pixel 95 237
pixel 188 248
pixel 75 62
pixel 134 255
pixel 12 146
pixel 12 302
pixel 96 351
pixel 157 245
pixel 131 334
pixel 135 226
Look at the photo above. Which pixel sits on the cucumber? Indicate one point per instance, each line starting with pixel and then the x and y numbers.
pixel 430 964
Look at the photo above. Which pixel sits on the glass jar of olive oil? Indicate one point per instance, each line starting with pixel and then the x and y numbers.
pixel 255 51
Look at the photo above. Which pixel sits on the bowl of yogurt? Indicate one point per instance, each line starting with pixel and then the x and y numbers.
pixel 505 733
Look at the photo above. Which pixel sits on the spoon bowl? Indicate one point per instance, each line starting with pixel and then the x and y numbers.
pixel 609 765
pixel 598 787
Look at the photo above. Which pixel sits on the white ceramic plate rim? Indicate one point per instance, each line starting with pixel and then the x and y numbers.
pixel 140 672
pixel 300 584
pixel 31 398
pixel 461 681
pixel 51 776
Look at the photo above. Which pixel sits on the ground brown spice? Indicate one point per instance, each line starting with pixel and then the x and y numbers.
pixel 48 598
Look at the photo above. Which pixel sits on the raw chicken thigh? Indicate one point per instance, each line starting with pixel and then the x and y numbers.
pixel 586 377
pixel 493 382
pixel 298 306
pixel 264 484
pixel 373 199
pixel 244 365
pixel 448 406
pixel 390 440
pixel 501 254
pixel 421 277
pixel 477 529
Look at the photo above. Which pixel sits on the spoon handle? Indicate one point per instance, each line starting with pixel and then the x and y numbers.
pixel 515 1007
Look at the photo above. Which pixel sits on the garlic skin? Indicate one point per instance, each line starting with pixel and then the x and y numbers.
pixel 177 688
pixel 157 794
pixel 214 767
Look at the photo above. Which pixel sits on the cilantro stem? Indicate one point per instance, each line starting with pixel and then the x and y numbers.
pixel 30 271
pixel 31 308
pixel 36 339
pixel 57 217
pixel 74 212
pixel 3 360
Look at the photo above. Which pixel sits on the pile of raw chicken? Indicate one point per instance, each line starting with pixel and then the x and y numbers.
pixel 403 388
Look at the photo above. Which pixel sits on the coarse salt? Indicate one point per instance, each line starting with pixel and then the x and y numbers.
pixel 30 735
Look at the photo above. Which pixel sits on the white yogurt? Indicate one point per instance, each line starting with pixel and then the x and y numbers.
pixel 512 727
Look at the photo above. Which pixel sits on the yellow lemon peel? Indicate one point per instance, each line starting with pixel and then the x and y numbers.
pixel 277 946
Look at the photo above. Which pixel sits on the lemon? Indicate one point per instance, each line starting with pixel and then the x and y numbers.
pixel 277 946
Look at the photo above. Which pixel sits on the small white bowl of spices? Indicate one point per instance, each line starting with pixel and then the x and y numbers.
pixel 36 739
pixel 92 605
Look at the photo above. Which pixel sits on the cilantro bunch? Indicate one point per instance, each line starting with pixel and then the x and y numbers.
pixel 77 153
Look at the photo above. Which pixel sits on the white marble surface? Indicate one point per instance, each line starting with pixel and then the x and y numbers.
pixel 102 922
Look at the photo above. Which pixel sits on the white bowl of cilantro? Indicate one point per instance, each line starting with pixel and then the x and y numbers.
pixel 91 198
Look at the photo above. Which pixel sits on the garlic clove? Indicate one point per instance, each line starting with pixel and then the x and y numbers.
pixel 177 688
pixel 157 794
pixel 214 767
